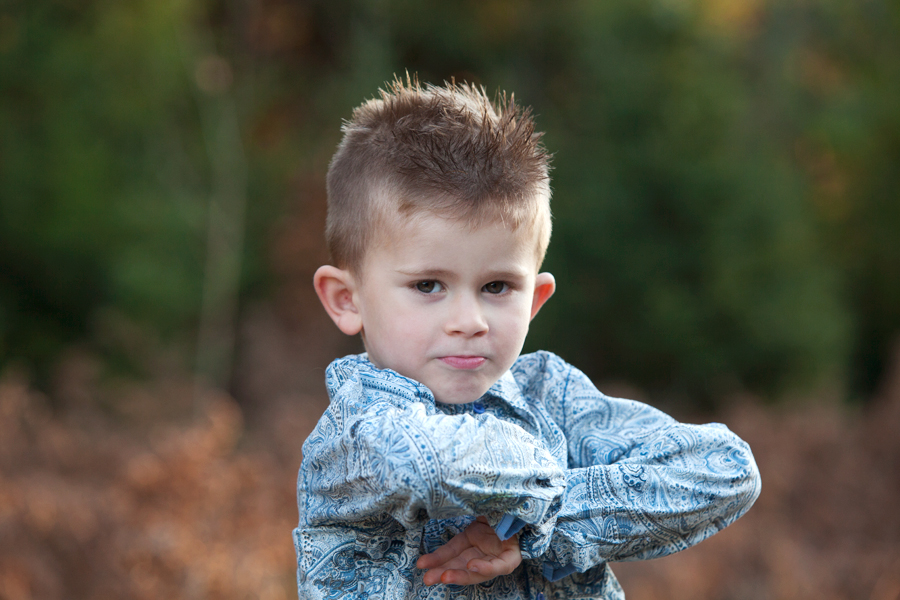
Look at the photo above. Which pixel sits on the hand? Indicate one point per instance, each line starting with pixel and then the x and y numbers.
pixel 473 556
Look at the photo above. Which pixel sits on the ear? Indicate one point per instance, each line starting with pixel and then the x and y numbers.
pixel 544 286
pixel 336 289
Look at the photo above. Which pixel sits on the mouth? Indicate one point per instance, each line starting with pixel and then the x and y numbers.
pixel 464 362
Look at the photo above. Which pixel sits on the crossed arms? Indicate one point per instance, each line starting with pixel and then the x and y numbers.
pixel 597 479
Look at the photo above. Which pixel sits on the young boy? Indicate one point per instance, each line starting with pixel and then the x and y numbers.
pixel 448 466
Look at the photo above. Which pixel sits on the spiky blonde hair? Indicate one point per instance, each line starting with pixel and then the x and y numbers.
pixel 449 150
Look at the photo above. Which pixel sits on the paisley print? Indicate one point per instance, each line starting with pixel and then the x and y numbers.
pixel 388 474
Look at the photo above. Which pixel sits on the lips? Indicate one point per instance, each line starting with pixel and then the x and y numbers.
pixel 464 362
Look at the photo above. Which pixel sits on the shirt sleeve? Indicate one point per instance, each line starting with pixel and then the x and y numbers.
pixel 415 464
pixel 639 484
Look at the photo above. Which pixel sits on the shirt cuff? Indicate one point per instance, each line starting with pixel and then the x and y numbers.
pixel 555 572
pixel 509 526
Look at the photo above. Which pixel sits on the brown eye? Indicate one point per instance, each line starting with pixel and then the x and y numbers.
pixel 495 287
pixel 428 287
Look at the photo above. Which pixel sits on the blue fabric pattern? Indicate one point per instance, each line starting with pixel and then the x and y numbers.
pixel 388 474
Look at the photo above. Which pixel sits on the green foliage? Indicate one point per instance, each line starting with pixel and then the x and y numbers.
pixel 724 187
pixel 103 192
pixel 852 152
pixel 686 249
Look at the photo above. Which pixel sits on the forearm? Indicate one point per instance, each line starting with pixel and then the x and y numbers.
pixel 415 466
pixel 691 483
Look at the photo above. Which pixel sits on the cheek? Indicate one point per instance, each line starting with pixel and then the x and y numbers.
pixel 405 328
pixel 513 324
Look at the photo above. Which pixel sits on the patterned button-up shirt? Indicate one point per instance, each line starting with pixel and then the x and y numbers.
pixel 389 474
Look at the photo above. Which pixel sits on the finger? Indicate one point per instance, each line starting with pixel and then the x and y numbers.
pixel 462 577
pixel 440 574
pixel 456 546
pixel 483 536
pixel 433 576
pixel 478 569
pixel 457 563
pixel 490 567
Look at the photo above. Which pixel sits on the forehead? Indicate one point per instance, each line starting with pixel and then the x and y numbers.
pixel 424 239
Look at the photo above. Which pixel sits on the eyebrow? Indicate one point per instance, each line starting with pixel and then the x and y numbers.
pixel 445 274
pixel 426 273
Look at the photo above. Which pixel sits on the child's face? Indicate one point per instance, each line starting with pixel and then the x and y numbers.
pixel 447 305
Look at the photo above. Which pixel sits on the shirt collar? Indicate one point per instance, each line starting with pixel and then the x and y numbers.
pixel 358 370
pixel 507 391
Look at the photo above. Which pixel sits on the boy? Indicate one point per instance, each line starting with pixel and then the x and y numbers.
pixel 447 466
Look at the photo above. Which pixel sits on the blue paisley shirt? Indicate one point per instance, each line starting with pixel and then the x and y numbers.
pixel 388 474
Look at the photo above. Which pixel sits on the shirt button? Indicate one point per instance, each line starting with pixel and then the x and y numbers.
pixel 478 408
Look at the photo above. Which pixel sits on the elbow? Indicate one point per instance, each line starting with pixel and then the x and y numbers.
pixel 748 484
pixel 741 480
pixel 747 479
pixel 732 486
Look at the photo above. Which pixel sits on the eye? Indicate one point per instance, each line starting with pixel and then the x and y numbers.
pixel 428 287
pixel 496 287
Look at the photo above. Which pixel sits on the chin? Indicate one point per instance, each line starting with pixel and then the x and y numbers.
pixel 455 401
pixel 459 389
pixel 460 396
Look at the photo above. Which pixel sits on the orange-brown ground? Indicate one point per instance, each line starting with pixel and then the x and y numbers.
pixel 93 505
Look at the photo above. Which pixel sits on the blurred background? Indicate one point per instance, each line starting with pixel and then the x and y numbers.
pixel 726 242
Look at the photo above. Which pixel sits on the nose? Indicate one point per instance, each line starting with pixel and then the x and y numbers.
pixel 466 317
